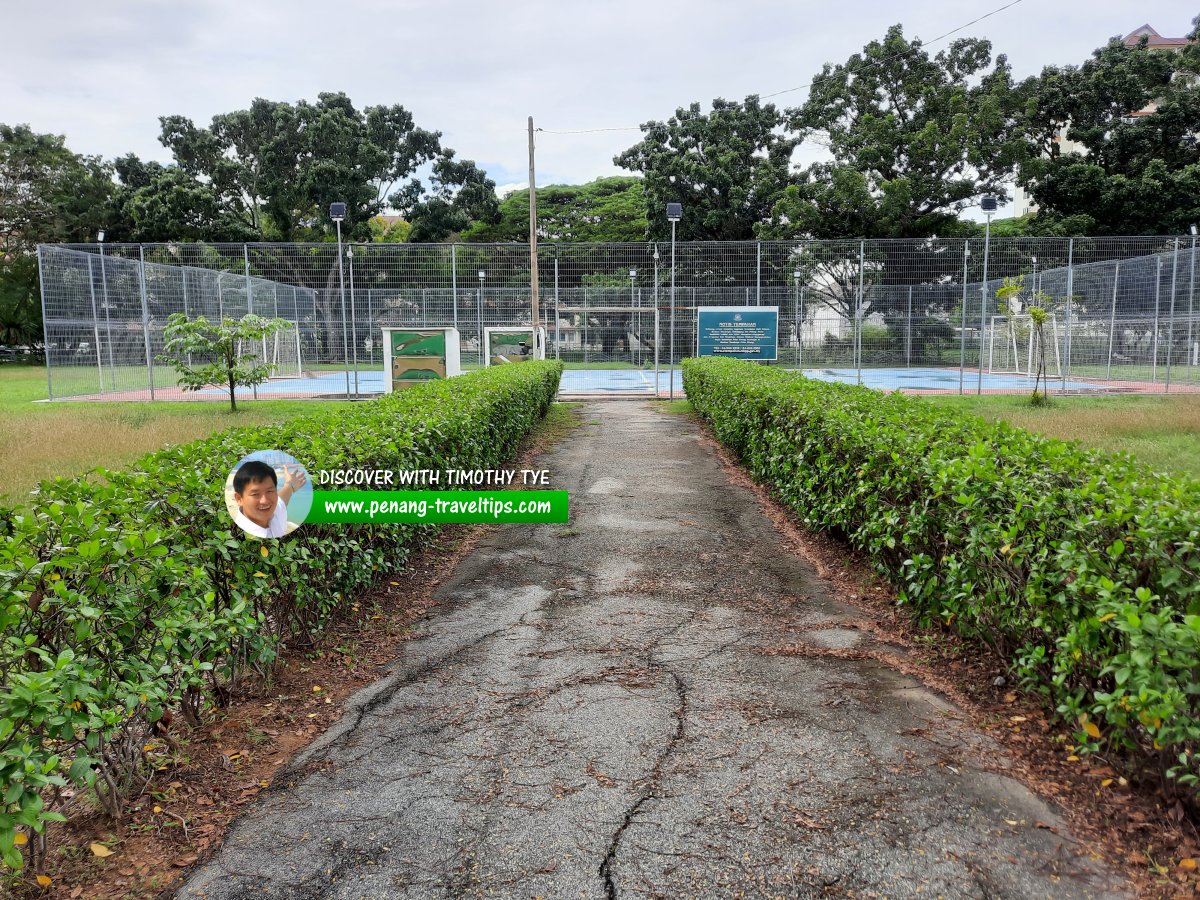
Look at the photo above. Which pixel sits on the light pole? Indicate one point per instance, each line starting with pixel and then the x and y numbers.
pixel 1034 292
pixel 635 321
pixel 988 205
pixel 337 212
pixel 799 321
pixel 674 214
pixel 353 319
pixel 479 303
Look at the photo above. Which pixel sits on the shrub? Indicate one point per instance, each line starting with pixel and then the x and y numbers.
pixel 1080 569
pixel 127 596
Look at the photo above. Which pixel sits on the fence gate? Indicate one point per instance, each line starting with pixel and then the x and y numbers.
pixel 607 350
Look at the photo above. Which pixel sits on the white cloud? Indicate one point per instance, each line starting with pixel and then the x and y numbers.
pixel 102 75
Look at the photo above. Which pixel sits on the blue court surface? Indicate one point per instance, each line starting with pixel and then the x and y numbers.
pixel 616 382
pixel 931 379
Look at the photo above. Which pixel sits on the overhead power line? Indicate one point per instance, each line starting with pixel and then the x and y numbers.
pixel 868 64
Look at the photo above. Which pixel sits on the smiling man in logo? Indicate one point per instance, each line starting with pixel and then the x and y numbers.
pixel 262 504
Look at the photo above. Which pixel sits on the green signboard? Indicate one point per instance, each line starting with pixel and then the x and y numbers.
pixel 738 332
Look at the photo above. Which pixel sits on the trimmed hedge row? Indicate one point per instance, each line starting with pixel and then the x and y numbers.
pixel 1080 569
pixel 127 597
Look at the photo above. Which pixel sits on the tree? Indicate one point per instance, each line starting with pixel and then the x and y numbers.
pixel 47 195
pixel 186 337
pixel 606 210
pixel 727 167
pixel 1135 114
pixel 277 167
pixel 915 140
pixel 157 203
pixel 462 194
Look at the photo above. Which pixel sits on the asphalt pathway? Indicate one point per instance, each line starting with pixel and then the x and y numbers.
pixel 648 702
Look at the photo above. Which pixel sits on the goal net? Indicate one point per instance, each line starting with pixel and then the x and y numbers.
pixel 1013 346
pixel 281 350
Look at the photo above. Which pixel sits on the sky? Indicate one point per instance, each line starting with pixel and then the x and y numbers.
pixel 102 73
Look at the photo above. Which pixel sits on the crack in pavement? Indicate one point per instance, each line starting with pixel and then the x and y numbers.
pixel 619 713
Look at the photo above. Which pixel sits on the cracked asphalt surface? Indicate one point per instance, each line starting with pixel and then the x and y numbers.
pixel 591 713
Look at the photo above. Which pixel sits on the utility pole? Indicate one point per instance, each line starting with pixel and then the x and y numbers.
pixel 533 261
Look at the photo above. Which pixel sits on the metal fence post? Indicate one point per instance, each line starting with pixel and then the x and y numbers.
pixel 557 331
pixel 908 332
pixel 1154 339
pixel 454 282
pixel 962 329
pixel 112 365
pixel 757 274
pixel 95 323
pixel 145 316
pixel 1066 363
pixel 858 312
pixel 1171 321
pixel 45 322
pixel 1191 351
pixel 1112 320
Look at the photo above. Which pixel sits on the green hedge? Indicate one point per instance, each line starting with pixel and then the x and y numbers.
pixel 1078 568
pixel 126 596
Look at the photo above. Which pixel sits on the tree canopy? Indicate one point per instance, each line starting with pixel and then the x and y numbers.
pixel 915 140
pixel 606 210
pixel 726 166
pixel 1135 113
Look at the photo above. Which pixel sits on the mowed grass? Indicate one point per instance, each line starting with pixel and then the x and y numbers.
pixel 1162 432
pixel 42 440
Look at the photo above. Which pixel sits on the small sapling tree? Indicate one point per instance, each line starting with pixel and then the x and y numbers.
pixel 1038 310
pixel 218 344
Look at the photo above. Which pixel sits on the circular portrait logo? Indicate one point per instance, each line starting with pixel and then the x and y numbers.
pixel 268 494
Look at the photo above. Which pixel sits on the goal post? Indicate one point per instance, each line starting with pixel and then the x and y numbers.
pixel 280 349
pixel 1013 346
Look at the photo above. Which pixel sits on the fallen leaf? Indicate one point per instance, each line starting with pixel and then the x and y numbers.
pixel 1010 821
pixel 78 892
pixel 45 880
pixel 1010 697
pixel 20 839
pixel 182 862
pixel 316 689
pixel 1017 719
pixel 263 550
pixel 1106 782
pixel 100 850
pixel 1187 863
pixel 1091 729
pixel 1072 758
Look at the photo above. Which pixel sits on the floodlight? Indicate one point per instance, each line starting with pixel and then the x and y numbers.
pixel 482 274
pixel 674 212
pixel 988 204
pixel 100 234
pixel 337 211
pixel 633 273
pixel 796 274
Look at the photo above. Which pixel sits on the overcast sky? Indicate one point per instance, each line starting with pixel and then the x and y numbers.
pixel 102 73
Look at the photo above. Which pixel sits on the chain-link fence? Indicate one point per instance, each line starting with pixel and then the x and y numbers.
pixel 925 315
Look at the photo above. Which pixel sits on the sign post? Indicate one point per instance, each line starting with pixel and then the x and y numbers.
pixel 738 332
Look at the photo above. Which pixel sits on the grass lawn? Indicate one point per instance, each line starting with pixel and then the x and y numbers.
pixel 1162 432
pixel 41 440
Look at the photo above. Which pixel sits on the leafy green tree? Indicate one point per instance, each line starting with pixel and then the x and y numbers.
pixel 915 140
pixel 48 194
pixel 186 338
pixel 461 194
pixel 156 203
pixel 606 210
pixel 277 167
pixel 727 167
pixel 1135 113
